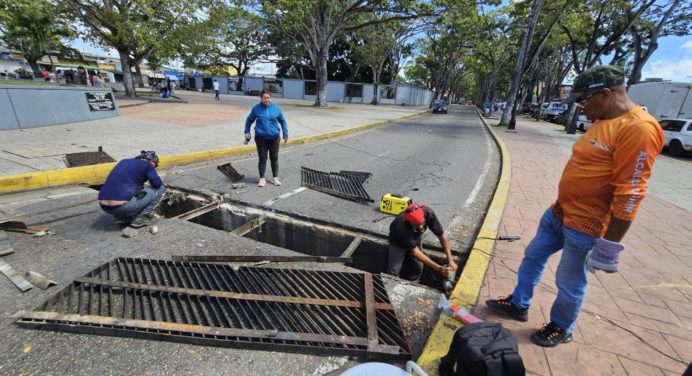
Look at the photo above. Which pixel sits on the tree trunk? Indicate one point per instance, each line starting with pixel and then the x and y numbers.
pixel 34 67
pixel 516 81
pixel 571 125
pixel 140 80
pixel 240 83
pixel 127 74
pixel 321 63
pixel 375 87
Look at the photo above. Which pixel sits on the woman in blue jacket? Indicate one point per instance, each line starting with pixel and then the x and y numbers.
pixel 267 117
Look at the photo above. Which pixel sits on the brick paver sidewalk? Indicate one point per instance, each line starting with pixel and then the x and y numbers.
pixel 635 322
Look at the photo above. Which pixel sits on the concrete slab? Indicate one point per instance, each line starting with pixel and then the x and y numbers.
pixel 85 237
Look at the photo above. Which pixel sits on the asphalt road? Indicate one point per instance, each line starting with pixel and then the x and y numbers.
pixel 445 161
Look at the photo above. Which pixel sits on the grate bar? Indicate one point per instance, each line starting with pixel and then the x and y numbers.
pixel 197 329
pixel 255 258
pixel 230 172
pixel 334 183
pixel 214 304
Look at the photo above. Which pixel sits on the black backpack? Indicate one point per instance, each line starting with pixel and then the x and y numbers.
pixel 482 349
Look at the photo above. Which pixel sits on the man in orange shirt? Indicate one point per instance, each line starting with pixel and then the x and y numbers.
pixel 598 197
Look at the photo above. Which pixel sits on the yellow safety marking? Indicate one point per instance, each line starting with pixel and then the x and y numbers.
pixel 467 289
pixel 96 174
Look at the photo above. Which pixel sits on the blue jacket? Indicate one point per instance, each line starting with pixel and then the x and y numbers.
pixel 266 117
pixel 127 178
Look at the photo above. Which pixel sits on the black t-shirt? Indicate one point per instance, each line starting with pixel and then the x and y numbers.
pixel 402 234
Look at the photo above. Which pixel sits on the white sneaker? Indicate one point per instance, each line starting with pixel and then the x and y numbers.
pixel 262 182
pixel 276 181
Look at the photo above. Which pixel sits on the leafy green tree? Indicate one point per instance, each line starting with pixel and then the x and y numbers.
pixel 135 28
pixel 35 27
pixel 376 49
pixel 318 23
pixel 231 36
pixel 661 19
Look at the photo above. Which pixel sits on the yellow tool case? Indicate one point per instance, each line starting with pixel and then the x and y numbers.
pixel 393 203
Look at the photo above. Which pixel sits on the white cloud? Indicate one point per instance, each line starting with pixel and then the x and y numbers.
pixel 687 45
pixel 669 70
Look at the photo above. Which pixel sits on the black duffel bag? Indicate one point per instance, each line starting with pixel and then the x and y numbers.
pixel 482 349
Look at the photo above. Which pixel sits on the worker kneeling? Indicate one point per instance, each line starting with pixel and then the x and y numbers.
pixel 123 194
pixel 405 237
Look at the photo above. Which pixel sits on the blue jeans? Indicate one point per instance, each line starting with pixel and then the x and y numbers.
pixel 570 277
pixel 144 205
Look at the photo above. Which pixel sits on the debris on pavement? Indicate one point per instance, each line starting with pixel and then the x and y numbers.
pixel 238 185
pixel 129 232
pixel 18 226
pixel 22 284
pixel 154 229
pixel 230 172
pixel 43 233
pixel 5 245
pixel 39 280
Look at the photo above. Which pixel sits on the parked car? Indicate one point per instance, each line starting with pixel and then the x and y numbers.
pixel 561 118
pixel 552 110
pixel 678 134
pixel 439 107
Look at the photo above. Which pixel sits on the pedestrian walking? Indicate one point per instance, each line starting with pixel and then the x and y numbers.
pixel 405 256
pixel 123 194
pixel 267 116
pixel 216 89
pixel 599 193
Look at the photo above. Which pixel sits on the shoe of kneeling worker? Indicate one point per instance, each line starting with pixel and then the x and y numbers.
pixel 142 220
pixel 262 182
pixel 505 307
pixel 276 181
pixel 551 335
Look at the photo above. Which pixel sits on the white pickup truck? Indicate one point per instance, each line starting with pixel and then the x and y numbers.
pixel 678 134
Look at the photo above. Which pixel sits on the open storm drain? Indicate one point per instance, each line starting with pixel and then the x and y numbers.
pixel 317 312
pixel 322 241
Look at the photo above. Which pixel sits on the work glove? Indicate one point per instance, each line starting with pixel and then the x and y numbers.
pixel 604 256
pixel 247 138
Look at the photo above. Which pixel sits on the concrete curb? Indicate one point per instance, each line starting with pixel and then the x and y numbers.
pixel 467 289
pixel 97 174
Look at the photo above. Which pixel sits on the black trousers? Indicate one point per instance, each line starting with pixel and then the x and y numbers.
pixel 270 145
pixel 216 95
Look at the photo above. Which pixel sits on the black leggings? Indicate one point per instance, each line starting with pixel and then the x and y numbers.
pixel 270 145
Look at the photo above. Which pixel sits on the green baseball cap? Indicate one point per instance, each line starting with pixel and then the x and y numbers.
pixel 599 77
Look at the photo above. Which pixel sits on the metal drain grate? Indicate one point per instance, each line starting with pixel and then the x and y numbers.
pixel 334 183
pixel 230 172
pixel 304 311
pixel 87 158
pixel 361 176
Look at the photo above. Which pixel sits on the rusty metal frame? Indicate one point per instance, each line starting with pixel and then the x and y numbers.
pixel 306 311
pixel 256 258
pixel 345 186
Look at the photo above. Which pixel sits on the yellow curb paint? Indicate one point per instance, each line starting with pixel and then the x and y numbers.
pixel 467 289
pixel 97 174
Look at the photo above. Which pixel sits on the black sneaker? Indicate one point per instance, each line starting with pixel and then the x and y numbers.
pixel 142 220
pixel 551 335
pixel 505 307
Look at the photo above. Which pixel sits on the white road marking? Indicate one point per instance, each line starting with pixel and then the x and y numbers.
pixel 380 155
pixel 484 174
pixel 284 196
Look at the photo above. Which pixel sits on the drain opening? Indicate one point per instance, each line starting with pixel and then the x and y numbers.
pixel 301 236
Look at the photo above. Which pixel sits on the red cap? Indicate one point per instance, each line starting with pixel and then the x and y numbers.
pixel 414 214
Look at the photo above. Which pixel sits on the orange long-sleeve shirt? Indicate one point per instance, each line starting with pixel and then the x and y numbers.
pixel 608 172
